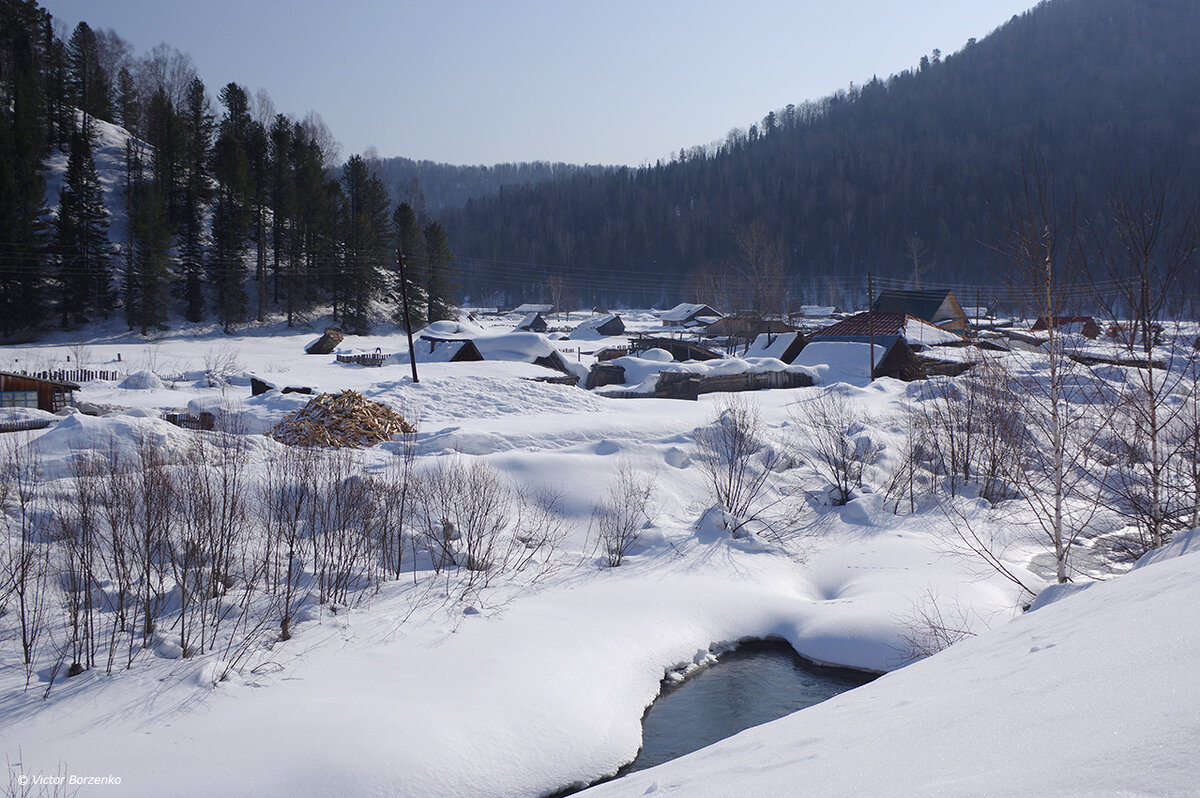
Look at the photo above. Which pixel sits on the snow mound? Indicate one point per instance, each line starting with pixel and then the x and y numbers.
pixel 142 381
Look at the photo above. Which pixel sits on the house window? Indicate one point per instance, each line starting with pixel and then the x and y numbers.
pixel 18 398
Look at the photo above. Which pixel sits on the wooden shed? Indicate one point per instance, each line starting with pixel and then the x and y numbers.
pixel 939 307
pixel 1084 325
pixel 21 390
pixel 533 322
pixel 690 315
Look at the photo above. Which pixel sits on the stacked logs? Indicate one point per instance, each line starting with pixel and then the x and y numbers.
pixel 346 419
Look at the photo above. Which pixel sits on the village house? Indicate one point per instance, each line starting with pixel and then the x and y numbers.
pixel 939 307
pixel 689 315
pixel 21 390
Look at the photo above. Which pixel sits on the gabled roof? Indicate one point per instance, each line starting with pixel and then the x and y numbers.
pixel 533 307
pixel 914 330
pixel 532 321
pixel 935 306
pixel 686 312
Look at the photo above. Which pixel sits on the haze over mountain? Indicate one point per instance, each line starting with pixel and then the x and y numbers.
pixel 1100 91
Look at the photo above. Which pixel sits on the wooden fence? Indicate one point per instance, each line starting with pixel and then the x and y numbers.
pixel 74 375
pixel 368 359
pixel 22 426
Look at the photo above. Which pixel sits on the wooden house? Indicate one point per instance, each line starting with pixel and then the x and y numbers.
pixel 939 307
pixel 533 322
pixel 782 346
pixel 916 332
pixel 445 350
pixel 680 350
pixel 21 390
pixel 689 315
pixel 1084 325
pixel 599 326
pixel 893 356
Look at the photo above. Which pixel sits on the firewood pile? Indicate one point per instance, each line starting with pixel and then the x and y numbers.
pixel 340 420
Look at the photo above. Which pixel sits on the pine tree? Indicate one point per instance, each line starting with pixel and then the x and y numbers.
pixel 231 217
pixel 147 270
pixel 439 283
pixel 412 245
pixel 90 87
pixel 366 240
pixel 82 236
pixel 24 142
pixel 197 140
pixel 128 104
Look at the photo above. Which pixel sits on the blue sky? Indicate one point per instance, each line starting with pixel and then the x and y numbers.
pixel 553 80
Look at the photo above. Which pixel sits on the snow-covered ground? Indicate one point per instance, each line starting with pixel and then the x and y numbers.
pixel 539 679
pixel 1087 696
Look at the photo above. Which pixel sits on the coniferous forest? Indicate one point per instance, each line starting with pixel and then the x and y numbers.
pixel 228 212
pixel 912 173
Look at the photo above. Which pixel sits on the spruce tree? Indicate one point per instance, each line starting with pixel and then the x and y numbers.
pixel 147 270
pixel 90 87
pixel 231 217
pixel 439 283
pixel 84 270
pixel 24 142
pixel 366 239
pixel 410 242
pixel 197 132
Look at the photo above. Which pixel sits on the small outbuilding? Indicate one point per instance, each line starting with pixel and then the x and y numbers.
pixel 1083 325
pixel 939 307
pixel 326 343
pixel 22 390
pixel 444 350
pixel 533 322
pixel 690 315
pixel 851 354
pixel 782 346
pixel 599 326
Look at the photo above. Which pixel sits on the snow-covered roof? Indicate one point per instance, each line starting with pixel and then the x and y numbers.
pixel 686 311
pixel 532 307
pixel 841 358
pixel 774 345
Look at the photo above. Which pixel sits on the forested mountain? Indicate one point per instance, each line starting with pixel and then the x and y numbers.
pixel 911 172
pixel 439 185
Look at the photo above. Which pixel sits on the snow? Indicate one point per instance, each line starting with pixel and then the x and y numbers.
pixel 771 344
pixel 1081 697
pixel 840 361
pixel 540 680
pixel 923 333
pixel 589 328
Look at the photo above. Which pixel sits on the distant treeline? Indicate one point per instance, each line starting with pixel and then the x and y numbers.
pixel 909 175
pixel 440 185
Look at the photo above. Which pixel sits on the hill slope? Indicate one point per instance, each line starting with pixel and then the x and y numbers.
pixel 1100 89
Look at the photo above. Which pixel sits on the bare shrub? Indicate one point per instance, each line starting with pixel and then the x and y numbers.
pixel 736 460
pixel 464 513
pixel 222 362
pixel 833 435
pixel 26 566
pixel 621 516
pixel 933 625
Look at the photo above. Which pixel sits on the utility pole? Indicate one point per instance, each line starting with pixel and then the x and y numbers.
pixel 412 354
pixel 871 323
